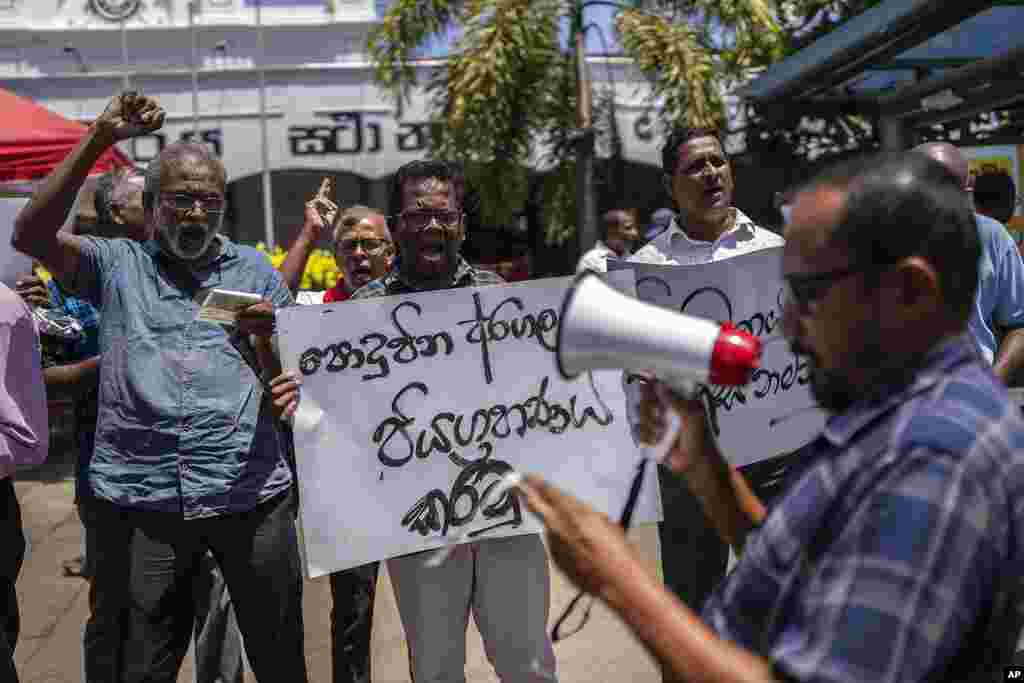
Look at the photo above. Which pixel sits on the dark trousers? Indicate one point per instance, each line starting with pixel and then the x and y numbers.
pixel 12 553
pixel 693 557
pixel 218 642
pixel 352 594
pixel 146 566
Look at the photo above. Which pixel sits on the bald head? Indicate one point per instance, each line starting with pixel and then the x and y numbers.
pixel 950 157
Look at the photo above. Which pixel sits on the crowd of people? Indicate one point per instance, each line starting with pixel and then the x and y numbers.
pixel 886 549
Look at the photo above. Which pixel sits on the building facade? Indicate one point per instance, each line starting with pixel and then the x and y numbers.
pixel 318 110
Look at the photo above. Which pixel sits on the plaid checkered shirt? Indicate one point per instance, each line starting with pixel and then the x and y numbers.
pixel 897 553
pixel 392 283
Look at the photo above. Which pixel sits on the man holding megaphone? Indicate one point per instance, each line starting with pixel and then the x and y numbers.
pixel 895 553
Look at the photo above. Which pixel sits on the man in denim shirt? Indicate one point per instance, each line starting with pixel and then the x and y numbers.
pixel 187 456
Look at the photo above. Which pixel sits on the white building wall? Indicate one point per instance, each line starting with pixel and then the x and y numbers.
pixel 323 111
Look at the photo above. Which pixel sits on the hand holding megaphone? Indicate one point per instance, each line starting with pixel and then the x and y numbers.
pixel 601 328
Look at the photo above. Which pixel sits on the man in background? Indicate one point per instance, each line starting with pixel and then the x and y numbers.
pixel 363 252
pixel 24 437
pixel 995 196
pixel 660 220
pixel 698 176
pixel 361 245
pixel 504 582
pixel 997 319
pixel 619 236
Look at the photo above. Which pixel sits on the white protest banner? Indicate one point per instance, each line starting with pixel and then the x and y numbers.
pixel 414 406
pixel 775 412
pixel 12 263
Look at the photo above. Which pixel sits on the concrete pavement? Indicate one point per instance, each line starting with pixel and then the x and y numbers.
pixel 54 608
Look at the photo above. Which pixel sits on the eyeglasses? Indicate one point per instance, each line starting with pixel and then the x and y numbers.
pixel 575 617
pixel 420 219
pixel 183 201
pixel 804 290
pixel 370 246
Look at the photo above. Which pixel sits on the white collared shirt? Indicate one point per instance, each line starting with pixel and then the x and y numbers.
pixel 596 259
pixel 675 248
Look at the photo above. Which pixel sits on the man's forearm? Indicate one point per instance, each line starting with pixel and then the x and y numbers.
pixel 295 261
pixel 270 364
pixel 1010 356
pixel 673 634
pixel 37 225
pixel 728 501
pixel 74 377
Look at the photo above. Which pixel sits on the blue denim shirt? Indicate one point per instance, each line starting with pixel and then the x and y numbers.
pixel 182 426
pixel 999 301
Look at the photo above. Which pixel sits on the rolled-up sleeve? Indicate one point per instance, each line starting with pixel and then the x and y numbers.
pixel 24 428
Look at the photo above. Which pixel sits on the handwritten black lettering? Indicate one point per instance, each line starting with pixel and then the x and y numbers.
pixel 487 328
pixel 450 434
pixel 406 348
pixel 769 382
pixel 437 512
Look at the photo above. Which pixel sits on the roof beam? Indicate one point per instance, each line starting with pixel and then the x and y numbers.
pixel 1007 67
pixel 874 36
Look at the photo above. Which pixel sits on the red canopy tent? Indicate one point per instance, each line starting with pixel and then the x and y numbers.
pixel 34 140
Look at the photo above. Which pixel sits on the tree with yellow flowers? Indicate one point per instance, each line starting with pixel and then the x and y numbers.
pixel 510 88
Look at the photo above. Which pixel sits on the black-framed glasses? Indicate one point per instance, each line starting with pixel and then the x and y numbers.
pixel 577 614
pixel 420 219
pixel 370 246
pixel 803 290
pixel 186 201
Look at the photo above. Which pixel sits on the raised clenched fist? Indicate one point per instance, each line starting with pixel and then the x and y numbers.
pixel 129 115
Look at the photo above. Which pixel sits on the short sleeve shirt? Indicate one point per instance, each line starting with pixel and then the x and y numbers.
pixel 182 425
pixel 999 301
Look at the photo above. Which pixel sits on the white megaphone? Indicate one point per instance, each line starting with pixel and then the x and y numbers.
pixel 601 328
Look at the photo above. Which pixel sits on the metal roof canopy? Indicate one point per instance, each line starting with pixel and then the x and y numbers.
pixel 912 63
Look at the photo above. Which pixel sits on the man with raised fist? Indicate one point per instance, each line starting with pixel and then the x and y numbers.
pixel 187 457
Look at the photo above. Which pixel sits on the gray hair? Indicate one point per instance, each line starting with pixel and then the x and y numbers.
pixel 171 153
pixel 351 217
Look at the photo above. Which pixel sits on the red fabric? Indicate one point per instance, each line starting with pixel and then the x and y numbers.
pixel 336 293
pixel 34 140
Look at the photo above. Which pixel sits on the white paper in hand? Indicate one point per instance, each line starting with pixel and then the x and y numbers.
pixel 223 306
